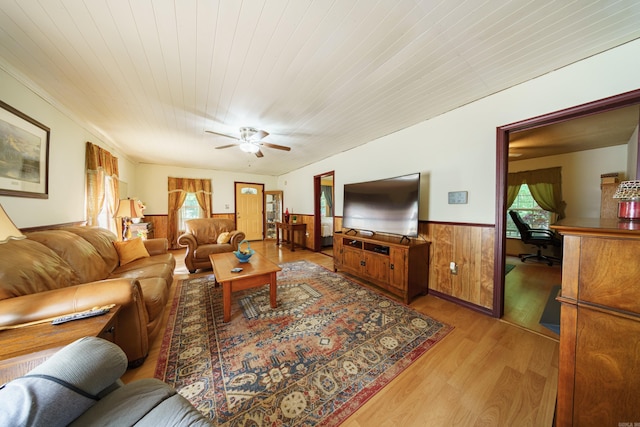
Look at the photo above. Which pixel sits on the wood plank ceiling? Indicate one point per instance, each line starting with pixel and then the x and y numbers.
pixel 320 76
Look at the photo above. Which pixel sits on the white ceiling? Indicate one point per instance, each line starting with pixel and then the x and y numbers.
pixel 320 76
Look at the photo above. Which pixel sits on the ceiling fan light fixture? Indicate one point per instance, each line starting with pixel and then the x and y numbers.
pixel 248 147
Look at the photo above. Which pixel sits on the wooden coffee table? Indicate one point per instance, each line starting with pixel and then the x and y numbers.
pixel 257 272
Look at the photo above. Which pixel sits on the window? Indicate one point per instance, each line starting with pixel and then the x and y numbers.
pixel 105 215
pixel 190 210
pixel 530 212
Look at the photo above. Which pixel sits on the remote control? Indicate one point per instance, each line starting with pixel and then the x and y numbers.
pixel 80 315
pixel 236 270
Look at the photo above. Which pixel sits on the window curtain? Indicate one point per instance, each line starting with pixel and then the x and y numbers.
pixel 326 191
pixel 545 186
pixel 178 189
pixel 102 170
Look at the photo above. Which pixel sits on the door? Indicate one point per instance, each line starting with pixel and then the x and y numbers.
pixel 323 223
pixel 249 209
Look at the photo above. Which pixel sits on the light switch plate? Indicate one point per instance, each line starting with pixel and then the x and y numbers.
pixel 458 197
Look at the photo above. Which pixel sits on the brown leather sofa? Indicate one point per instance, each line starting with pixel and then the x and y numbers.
pixel 201 240
pixel 71 269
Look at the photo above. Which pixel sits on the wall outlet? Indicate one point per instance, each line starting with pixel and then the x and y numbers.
pixel 453 267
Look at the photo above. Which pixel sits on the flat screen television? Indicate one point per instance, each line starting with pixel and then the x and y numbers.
pixel 383 206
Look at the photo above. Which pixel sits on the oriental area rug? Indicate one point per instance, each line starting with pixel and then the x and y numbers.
pixel 329 346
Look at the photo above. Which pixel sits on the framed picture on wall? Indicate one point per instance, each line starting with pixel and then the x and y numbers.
pixel 24 155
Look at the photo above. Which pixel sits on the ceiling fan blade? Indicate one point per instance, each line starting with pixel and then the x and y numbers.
pixel 277 147
pixel 222 134
pixel 226 146
pixel 261 134
pixel 259 154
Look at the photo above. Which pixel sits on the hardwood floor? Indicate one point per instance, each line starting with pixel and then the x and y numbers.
pixel 486 372
pixel 527 289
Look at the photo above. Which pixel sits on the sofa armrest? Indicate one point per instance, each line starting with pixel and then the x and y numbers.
pixel 189 240
pixel 58 302
pixel 64 386
pixel 131 320
pixel 236 237
pixel 156 246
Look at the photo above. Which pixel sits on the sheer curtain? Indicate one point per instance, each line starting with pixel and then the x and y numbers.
pixel 545 186
pixel 178 189
pixel 102 189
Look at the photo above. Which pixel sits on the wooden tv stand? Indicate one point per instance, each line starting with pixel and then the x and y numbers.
pixel 400 268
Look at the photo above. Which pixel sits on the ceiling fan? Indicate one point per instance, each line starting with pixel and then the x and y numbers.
pixel 250 141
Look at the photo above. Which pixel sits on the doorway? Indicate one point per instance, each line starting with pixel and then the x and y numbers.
pixel 502 158
pixel 249 209
pixel 324 221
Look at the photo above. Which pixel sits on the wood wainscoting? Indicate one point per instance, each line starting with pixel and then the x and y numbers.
pixel 471 247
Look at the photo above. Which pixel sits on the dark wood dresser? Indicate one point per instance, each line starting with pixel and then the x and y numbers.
pixel 599 370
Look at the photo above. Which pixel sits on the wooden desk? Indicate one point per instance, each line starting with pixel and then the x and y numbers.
pixel 289 233
pixel 258 271
pixel 22 349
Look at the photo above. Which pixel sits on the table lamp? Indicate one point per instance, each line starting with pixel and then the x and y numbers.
pixel 628 195
pixel 8 230
pixel 127 209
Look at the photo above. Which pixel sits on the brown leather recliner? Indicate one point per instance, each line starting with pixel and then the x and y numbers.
pixel 201 240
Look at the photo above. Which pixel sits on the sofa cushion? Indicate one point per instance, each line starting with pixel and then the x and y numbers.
pixel 162 271
pixel 130 250
pixel 101 239
pixel 203 252
pixel 165 258
pixel 34 268
pixel 81 255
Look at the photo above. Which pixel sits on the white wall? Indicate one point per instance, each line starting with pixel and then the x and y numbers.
pixel 151 186
pixel 457 150
pixel 66 159
pixel 580 176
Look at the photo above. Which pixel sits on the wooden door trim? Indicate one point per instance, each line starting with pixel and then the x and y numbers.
pixel 502 167
pixel 317 227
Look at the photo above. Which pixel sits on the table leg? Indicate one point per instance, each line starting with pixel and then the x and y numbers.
pixel 293 240
pixel 226 301
pixel 273 290
pixel 278 229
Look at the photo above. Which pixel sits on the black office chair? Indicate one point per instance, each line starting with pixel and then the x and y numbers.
pixel 539 237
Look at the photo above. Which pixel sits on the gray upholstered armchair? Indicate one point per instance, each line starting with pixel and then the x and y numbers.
pixel 206 236
pixel 80 386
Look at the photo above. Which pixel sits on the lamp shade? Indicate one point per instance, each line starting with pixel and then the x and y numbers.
pixel 128 208
pixel 628 190
pixel 8 229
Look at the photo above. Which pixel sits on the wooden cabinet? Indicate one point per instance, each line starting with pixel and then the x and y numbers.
pixel 400 268
pixel 599 370
pixel 272 213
